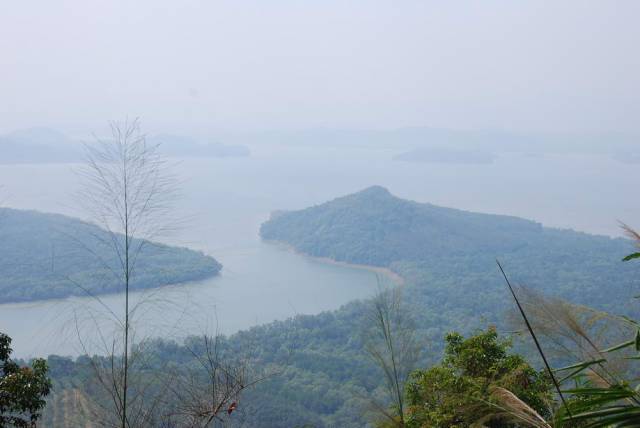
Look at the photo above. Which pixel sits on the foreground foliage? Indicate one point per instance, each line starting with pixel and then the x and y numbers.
pixel 602 397
pixel 22 389
pixel 603 389
pixel 455 393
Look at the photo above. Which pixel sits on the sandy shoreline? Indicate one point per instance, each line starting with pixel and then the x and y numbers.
pixel 386 272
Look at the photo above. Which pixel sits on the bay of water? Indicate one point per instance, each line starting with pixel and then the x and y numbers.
pixel 224 201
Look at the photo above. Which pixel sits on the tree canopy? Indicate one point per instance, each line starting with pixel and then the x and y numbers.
pixel 456 393
pixel 22 389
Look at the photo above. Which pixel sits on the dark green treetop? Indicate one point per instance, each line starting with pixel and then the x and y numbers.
pixel 456 392
pixel 22 389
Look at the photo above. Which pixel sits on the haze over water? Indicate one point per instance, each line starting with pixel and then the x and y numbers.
pixel 226 200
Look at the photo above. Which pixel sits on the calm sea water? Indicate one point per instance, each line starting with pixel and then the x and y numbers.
pixel 225 200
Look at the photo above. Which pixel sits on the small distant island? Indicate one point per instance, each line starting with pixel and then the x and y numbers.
pixel 446 155
pixel 50 256
pixel 631 158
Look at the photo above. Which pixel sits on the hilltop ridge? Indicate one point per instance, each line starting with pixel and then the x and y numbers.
pixel 350 228
pixel 452 249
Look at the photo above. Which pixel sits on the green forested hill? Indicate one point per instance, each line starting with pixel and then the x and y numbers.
pixel 45 256
pixel 447 257
pixel 452 252
pixel 374 227
pixel 324 377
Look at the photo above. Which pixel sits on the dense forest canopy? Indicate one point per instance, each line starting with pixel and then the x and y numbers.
pixel 452 252
pixel 447 257
pixel 46 256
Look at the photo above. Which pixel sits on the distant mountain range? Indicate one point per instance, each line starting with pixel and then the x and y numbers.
pixel 45 145
pixel 411 138
pixel 38 145
pixel 45 256
pixel 418 144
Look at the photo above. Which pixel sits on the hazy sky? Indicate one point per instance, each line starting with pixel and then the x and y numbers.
pixel 199 66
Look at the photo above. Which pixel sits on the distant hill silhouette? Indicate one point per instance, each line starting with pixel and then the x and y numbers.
pixel 45 145
pixel 38 145
pixel 46 256
pixel 177 145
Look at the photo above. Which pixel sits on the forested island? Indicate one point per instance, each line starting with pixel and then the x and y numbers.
pixel 46 256
pixel 451 253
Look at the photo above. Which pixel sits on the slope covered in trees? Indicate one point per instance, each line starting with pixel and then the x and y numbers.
pixel 452 252
pixel 323 376
pixel 47 256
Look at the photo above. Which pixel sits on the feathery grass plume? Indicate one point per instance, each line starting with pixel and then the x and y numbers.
pixel 535 339
pixel 635 236
pixel 389 340
pixel 577 333
pixel 615 404
pixel 506 407
pixel 631 233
